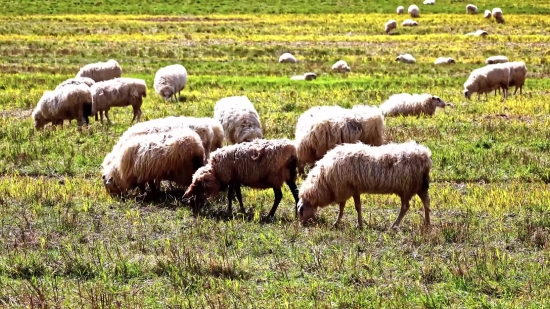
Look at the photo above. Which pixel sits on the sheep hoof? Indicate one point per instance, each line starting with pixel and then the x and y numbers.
pixel 267 219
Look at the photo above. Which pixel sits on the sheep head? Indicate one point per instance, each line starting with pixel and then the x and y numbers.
pixel 437 102
pixel 305 210
pixel 467 94
pixel 310 76
pixel 247 132
pixel 166 92
pixel 111 185
pixel 204 185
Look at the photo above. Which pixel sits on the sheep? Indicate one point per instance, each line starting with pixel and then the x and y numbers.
pixel 67 102
pixel 351 169
pixel 471 9
pixel 487 79
pixel 101 71
pixel 390 25
pixel 478 33
pixel 400 10
pixel 287 58
pixel 414 11
pixel 239 119
pixel 409 23
pixel 321 128
pixel 429 2
pixel 170 81
pixel 444 60
pixel 151 158
pixel 341 66
pixel 497 14
pixel 122 91
pixel 77 81
pixel 259 164
pixel 496 59
pixel 406 58
pixel 487 14
pixel 411 105
pixel 307 76
pixel 518 74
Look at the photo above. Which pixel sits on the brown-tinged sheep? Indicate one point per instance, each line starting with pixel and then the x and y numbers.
pixel 77 81
pixel 409 23
pixel 351 169
pixel 471 9
pixel 497 14
pixel 406 104
pixel 259 164
pixel 121 91
pixel 487 14
pixel 101 71
pixel 239 119
pixel 414 11
pixel 487 79
pixel 390 25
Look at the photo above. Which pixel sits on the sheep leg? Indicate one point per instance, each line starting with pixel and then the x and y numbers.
pixel 240 198
pixel 294 189
pixel 229 199
pixel 357 200
pixel 278 198
pixel 340 214
pixel 425 197
pixel 153 187
pixel 107 116
pixel 405 205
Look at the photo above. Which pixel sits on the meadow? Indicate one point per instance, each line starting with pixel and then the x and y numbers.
pixel 64 242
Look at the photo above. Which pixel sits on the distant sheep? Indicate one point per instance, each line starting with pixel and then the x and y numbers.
pixel 352 169
pixel 101 71
pixel 409 23
pixel 77 81
pixel 411 105
pixel 170 81
pixel 405 58
pixel 260 164
pixel 287 58
pixel 429 2
pixel 487 79
pixel 390 25
pixel 444 60
pixel 414 11
pixel 497 14
pixel 340 66
pixel 471 9
pixel 239 119
pixel 307 76
pixel 121 91
pixel 496 59
pixel 487 14
pixel 478 33
pixel 400 10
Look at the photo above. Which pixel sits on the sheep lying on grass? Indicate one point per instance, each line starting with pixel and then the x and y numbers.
pixel 351 169
pixel 390 25
pixel 287 58
pixel 405 58
pixel 496 59
pixel 121 91
pixel 409 23
pixel 478 33
pixel 471 9
pixel 340 66
pixel 101 71
pixel 487 79
pixel 444 60
pixel 411 105
pixel 77 81
pixel 239 119
pixel 260 164
pixel 170 81
pixel 307 76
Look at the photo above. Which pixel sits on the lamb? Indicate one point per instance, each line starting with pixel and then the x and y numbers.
pixel 67 102
pixel 390 25
pixel 406 58
pixel 321 128
pixel 400 10
pixel 487 79
pixel 340 66
pixel 239 119
pixel 101 71
pixel 444 60
pixel 77 81
pixel 411 105
pixel 151 158
pixel 307 76
pixel 496 59
pixel 259 164
pixel 429 2
pixel 287 58
pixel 497 14
pixel 471 9
pixel 409 23
pixel 414 11
pixel 487 14
pixel 122 91
pixel 170 81
pixel 351 169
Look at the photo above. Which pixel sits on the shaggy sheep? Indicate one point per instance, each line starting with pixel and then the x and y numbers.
pixel 406 58
pixel 411 105
pixel 151 158
pixel 471 9
pixel 170 81
pixel 351 169
pixel 414 11
pixel 287 58
pixel 429 2
pixel 121 91
pixel 239 119
pixel 67 102
pixel 478 33
pixel 487 79
pixel 390 25
pixel 496 59
pixel 306 76
pixel 340 66
pixel 444 60
pixel 321 128
pixel 400 10
pixel 77 81
pixel 260 164
pixel 487 14
pixel 409 23
pixel 101 71
pixel 497 14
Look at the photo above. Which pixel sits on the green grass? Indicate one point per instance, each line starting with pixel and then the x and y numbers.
pixel 64 242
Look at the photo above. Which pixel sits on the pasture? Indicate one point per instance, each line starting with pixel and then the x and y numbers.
pixel 64 242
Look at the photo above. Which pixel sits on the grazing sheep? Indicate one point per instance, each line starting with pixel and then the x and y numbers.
pixel 217 129
pixel 170 81
pixel 409 23
pixel 239 119
pixel 101 71
pixel 400 10
pixel 411 105
pixel 77 81
pixel 518 74
pixel 67 102
pixel 306 76
pixel 487 14
pixel 496 59
pixel 478 33
pixel 287 58
pixel 260 164
pixel 414 11
pixel 487 79
pixel 429 2
pixel 321 128
pixel 390 25
pixel 340 66
pixel 122 91
pixel 471 9
pixel 444 60
pixel 151 158
pixel 497 14
pixel 406 58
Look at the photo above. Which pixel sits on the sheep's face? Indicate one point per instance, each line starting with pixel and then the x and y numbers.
pixel 467 94
pixel 166 92
pixel 110 185
pixel 436 101
pixel 248 132
pixel 305 210
pixel 204 185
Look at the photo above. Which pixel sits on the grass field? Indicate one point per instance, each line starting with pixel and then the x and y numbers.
pixel 65 243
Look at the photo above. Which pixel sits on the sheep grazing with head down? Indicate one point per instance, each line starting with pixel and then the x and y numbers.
pixel 429 2
pixel 122 91
pixel 260 164
pixel 351 169
pixel 497 14
pixel 101 71
pixel 170 81
pixel 390 25
pixel 405 104
pixel 496 59
pixel 487 79
pixel 400 10
pixel 406 58
pixel 341 66
pixel 444 60
pixel 487 14
pixel 307 76
pixel 239 119
pixel 471 9
pixel 287 58
pixel 409 23
pixel 518 74
pixel 414 11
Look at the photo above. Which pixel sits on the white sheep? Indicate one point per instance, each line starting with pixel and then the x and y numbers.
pixel 496 59
pixel 478 33
pixel 287 58
pixel 444 60
pixel 405 58
pixel 349 170
pixel 487 79
pixel 340 66
pixel 429 2
pixel 101 71
pixel 170 81
pixel 307 76
pixel 239 119
pixel 77 81
pixel 122 91
pixel 390 25
pixel 497 14
pixel 406 104
pixel 518 74
pixel 414 11
pixel 487 14
pixel 471 9
pixel 400 10
pixel 409 23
